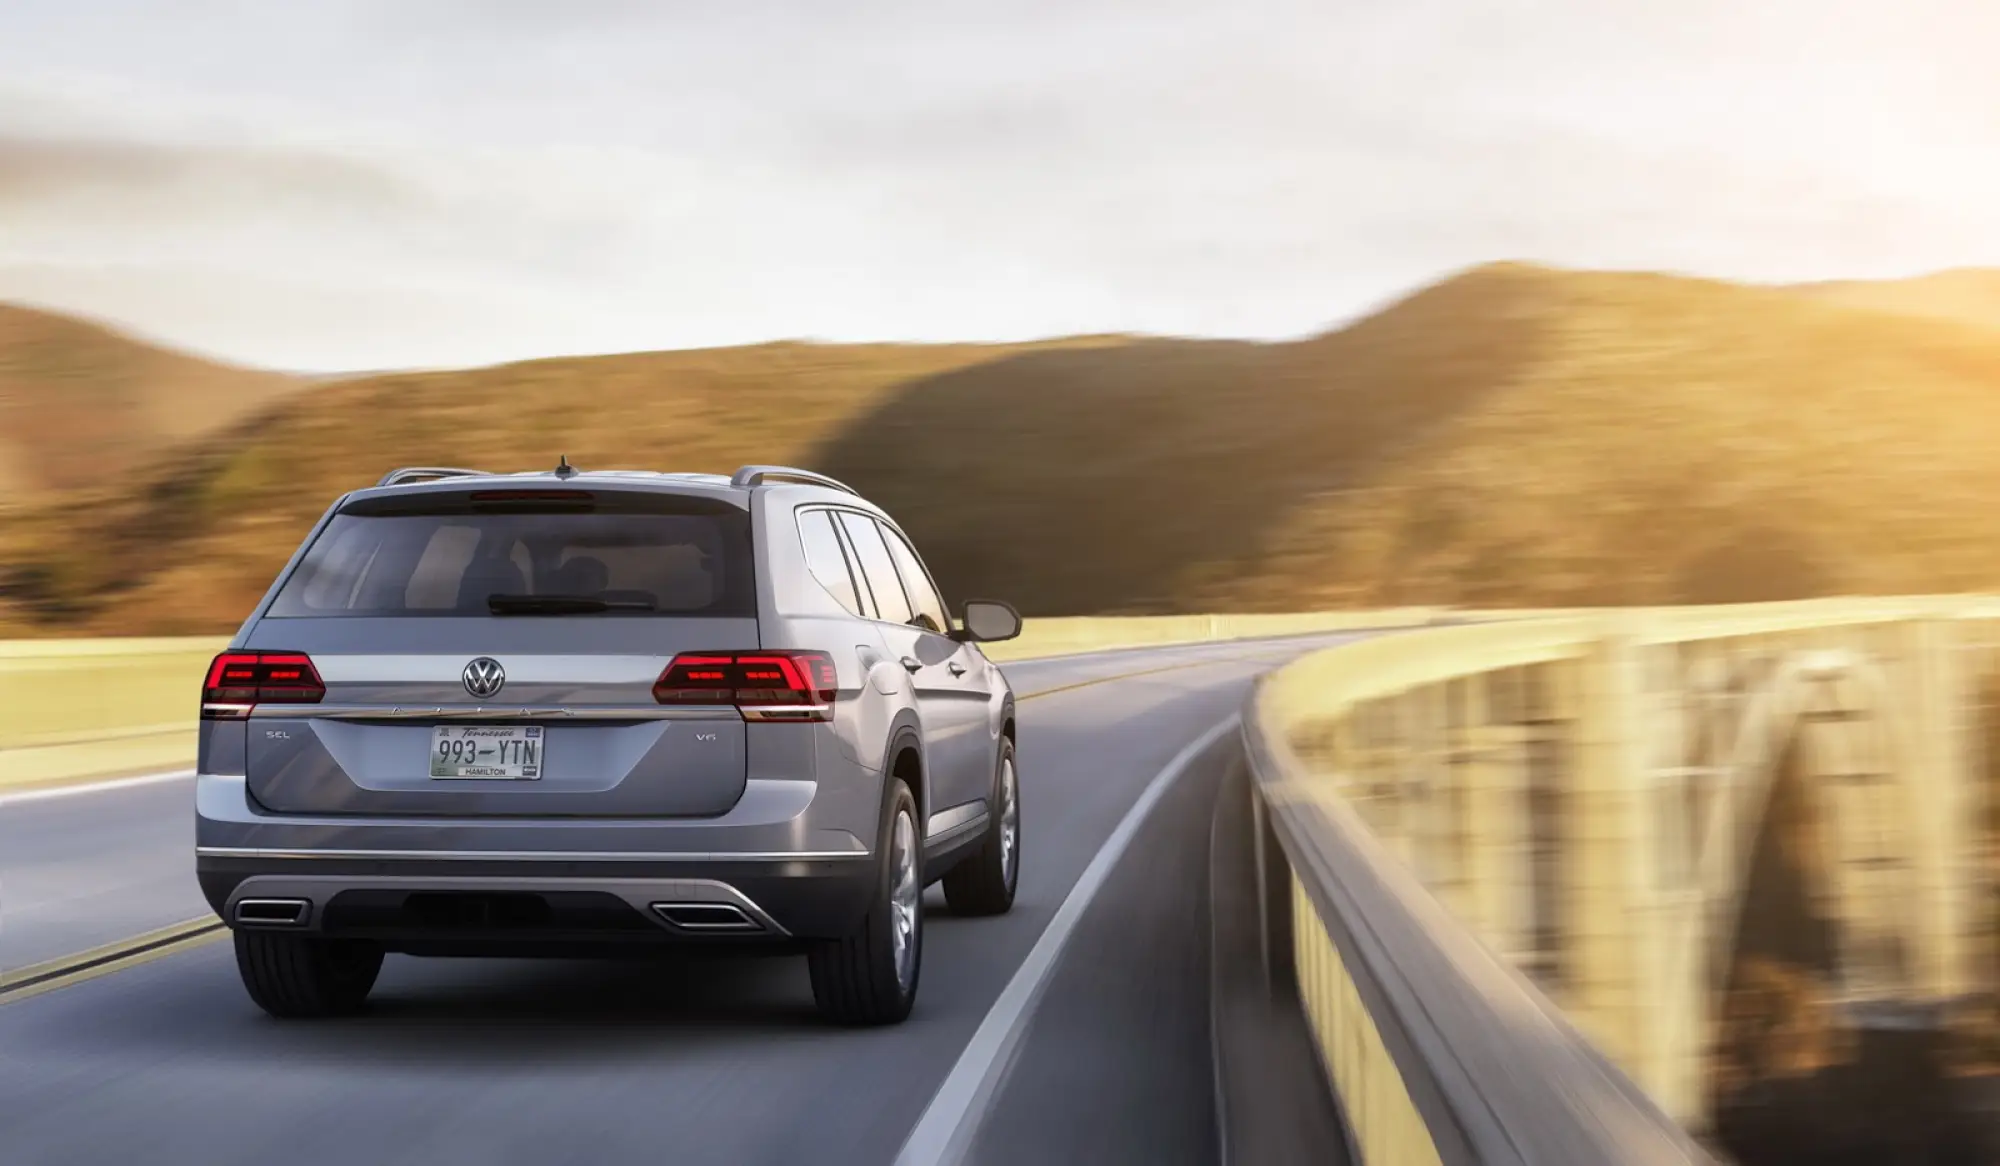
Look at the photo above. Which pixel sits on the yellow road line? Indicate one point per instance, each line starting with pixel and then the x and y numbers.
pixel 1096 680
pixel 112 957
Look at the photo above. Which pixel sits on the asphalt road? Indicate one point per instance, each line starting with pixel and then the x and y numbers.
pixel 720 1059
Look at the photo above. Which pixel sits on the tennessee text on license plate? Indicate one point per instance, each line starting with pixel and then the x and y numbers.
pixel 488 752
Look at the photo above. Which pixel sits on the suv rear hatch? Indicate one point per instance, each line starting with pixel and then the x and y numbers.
pixel 493 653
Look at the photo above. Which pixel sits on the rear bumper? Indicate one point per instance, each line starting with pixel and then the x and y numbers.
pixel 548 883
pixel 414 905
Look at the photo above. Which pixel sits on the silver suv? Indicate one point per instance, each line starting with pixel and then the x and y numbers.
pixel 592 712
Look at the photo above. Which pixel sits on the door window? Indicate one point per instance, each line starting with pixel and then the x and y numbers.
pixel 826 560
pixel 877 566
pixel 917 584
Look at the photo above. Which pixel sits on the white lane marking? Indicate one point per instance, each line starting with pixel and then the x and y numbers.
pixel 95 787
pixel 944 1133
pixel 1216 1082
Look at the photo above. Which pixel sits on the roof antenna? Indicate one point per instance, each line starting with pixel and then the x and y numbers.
pixel 563 469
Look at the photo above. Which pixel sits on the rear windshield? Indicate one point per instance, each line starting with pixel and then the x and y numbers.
pixel 450 555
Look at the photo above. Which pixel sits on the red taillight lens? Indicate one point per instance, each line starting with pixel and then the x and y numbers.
pixel 238 680
pixel 698 678
pixel 766 685
pixel 232 679
pixel 785 678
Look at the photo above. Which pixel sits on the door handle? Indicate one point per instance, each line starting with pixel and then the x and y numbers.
pixel 910 664
pixel 958 669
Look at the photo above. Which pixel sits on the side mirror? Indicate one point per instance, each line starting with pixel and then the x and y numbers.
pixel 987 620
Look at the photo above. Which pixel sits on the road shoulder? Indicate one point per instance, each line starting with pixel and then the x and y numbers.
pixel 1272 1094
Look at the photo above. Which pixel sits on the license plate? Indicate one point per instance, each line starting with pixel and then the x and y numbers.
pixel 487 752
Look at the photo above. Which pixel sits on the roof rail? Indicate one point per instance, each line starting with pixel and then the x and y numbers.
pixel 756 475
pixel 424 473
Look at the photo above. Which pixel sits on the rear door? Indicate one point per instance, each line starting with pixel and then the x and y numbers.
pixel 493 653
pixel 968 680
pixel 948 700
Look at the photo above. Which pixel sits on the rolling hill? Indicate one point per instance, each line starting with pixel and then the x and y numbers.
pixel 1967 295
pixel 1513 436
pixel 79 402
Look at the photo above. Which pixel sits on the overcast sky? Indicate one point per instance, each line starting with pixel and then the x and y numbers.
pixel 341 184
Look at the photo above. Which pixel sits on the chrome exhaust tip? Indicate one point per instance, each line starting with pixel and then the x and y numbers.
pixel 706 917
pixel 273 912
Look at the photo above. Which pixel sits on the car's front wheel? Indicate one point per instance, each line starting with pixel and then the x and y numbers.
pixel 302 976
pixel 870 976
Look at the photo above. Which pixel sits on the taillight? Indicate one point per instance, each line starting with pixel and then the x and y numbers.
pixel 765 686
pixel 239 680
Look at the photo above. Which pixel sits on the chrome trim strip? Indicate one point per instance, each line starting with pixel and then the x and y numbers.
pixel 692 891
pixel 956 832
pixel 945 821
pixel 374 712
pixel 532 855
pixel 443 668
pixel 741 922
pixel 790 714
pixel 301 912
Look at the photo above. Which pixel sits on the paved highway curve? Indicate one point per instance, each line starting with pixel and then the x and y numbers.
pixel 719 1059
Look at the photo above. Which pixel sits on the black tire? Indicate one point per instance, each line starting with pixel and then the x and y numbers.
pixel 297 977
pixel 983 884
pixel 861 979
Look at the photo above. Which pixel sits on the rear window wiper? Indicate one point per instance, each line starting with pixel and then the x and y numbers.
pixel 561 604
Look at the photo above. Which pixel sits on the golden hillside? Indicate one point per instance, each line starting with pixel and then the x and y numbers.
pixel 1512 436
pixel 1966 295
pixel 80 402
pixel 193 543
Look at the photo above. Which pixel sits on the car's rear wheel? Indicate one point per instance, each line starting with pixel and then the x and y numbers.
pixel 870 976
pixel 304 976
pixel 983 884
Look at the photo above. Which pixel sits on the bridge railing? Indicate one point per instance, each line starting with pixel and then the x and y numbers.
pixel 1497 856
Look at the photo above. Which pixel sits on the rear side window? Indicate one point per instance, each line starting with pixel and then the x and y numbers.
pixel 444 556
pixel 826 560
pixel 917 583
pixel 876 564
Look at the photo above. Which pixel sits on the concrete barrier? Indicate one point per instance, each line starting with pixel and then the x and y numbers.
pixel 1392 785
pixel 1440 1052
pixel 72 709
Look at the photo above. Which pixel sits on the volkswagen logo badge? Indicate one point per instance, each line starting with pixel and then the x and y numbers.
pixel 484 676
